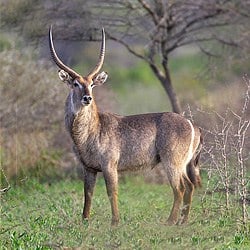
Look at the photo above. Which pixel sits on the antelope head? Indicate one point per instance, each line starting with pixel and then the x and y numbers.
pixel 80 86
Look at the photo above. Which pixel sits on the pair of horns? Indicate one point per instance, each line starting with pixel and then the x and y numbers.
pixel 70 71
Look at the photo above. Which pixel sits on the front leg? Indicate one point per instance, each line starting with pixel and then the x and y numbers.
pixel 89 185
pixel 111 180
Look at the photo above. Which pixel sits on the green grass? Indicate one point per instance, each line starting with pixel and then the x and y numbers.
pixel 42 216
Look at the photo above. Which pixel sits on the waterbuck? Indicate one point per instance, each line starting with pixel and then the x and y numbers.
pixel 110 143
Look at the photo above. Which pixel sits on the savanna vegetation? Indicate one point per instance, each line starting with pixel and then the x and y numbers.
pixel 42 216
pixel 42 209
pixel 41 192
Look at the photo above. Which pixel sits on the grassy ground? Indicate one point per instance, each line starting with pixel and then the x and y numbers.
pixel 42 216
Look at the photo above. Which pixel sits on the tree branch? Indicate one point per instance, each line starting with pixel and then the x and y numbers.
pixel 132 51
pixel 149 10
pixel 208 53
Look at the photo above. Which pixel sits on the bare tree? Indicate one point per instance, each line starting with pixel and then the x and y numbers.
pixel 149 29
pixel 162 26
pixel 243 124
pixel 226 150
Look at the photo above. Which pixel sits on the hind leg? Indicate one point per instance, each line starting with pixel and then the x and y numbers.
pixel 174 174
pixel 187 200
pixel 178 191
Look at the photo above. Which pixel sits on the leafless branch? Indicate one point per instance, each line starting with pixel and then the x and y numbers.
pixel 126 45
pixel 148 8
pixel 206 52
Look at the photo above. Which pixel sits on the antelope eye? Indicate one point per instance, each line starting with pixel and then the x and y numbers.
pixel 75 84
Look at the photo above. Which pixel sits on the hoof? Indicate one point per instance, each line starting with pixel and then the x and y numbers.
pixel 183 220
pixel 171 222
pixel 114 223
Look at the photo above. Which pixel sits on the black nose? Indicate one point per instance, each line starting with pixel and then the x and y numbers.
pixel 87 99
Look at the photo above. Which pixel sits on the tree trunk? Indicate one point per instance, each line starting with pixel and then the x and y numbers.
pixel 167 85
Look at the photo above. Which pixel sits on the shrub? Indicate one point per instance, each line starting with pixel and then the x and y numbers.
pixel 32 113
pixel 31 104
pixel 226 154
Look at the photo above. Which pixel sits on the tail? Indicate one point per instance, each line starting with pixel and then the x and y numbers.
pixel 193 170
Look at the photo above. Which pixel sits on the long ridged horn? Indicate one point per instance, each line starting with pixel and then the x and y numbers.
pixel 56 59
pixel 98 66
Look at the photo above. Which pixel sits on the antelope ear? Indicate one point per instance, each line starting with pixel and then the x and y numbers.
pixel 64 76
pixel 100 79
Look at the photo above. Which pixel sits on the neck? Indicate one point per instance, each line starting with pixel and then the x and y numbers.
pixel 85 123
